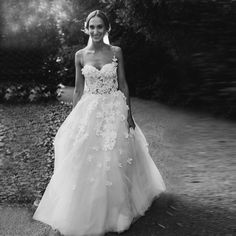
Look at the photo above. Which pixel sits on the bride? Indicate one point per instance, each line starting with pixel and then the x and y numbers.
pixel 104 178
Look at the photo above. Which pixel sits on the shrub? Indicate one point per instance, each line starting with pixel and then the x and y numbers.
pixel 22 93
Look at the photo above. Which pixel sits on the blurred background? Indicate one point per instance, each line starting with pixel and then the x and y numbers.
pixel 176 52
pixel 180 63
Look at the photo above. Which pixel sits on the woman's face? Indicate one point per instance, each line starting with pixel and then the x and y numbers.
pixel 96 29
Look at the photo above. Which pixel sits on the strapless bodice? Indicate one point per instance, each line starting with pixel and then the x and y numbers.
pixel 101 81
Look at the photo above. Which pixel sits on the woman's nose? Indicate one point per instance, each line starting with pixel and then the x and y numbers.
pixel 95 31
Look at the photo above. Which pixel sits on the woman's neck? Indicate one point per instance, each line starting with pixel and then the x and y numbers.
pixel 98 46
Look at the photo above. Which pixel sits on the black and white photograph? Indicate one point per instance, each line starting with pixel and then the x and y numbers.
pixel 117 117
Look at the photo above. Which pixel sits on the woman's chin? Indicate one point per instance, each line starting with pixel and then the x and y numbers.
pixel 97 40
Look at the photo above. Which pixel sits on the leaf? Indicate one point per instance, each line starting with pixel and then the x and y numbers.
pixel 172 207
pixel 169 213
pixel 179 224
pixel 162 226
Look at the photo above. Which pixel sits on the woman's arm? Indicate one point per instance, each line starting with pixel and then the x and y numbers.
pixel 123 86
pixel 79 79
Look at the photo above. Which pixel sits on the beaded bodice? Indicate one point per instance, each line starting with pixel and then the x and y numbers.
pixel 101 81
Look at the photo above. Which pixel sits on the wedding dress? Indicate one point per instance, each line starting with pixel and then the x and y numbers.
pixel 104 178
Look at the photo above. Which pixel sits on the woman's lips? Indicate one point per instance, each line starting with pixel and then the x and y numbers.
pixel 96 37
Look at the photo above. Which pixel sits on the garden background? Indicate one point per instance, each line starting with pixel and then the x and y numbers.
pixel 180 67
pixel 176 52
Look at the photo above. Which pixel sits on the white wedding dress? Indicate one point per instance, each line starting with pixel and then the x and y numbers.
pixel 104 178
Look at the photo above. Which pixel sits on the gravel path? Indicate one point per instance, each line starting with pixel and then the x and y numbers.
pixel 194 152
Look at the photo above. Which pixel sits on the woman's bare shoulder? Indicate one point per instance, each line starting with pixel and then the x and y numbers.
pixel 83 52
pixel 79 55
pixel 80 52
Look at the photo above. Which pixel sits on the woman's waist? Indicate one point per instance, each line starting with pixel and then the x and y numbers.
pixel 105 94
pixel 101 91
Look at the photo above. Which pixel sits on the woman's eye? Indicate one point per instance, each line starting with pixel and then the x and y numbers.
pixel 92 27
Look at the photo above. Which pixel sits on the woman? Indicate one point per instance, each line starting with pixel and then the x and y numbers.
pixel 104 178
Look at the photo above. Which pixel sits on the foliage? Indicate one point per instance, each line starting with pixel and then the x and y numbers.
pixel 30 41
pixel 22 93
pixel 36 34
pixel 197 38
pixel 66 62
pixel 180 52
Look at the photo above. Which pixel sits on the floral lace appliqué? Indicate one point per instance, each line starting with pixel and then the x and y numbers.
pixel 81 134
pixel 106 125
pixel 101 81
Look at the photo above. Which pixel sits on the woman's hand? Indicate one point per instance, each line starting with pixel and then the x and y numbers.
pixel 131 123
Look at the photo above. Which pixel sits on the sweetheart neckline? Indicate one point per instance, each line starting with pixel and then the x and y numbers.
pixel 98 68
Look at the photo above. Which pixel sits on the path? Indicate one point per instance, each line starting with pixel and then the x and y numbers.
pixel 196 155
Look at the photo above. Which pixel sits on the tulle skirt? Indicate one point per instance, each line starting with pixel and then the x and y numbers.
pixel 104 178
